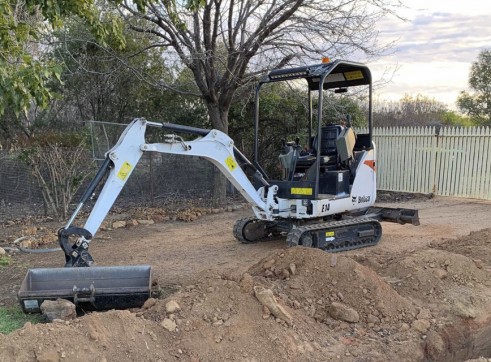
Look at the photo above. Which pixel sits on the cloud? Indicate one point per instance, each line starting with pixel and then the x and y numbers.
pixel 433 52
pixel 439 36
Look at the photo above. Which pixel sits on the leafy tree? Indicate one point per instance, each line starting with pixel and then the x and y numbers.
pixel 26 74
pixel 477 105
pixel 452 118
pixel 23 77
pixel 105 83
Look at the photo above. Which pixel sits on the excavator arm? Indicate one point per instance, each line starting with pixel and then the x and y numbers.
pixel 122 159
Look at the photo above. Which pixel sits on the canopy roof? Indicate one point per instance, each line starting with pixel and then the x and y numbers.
pixel 339 74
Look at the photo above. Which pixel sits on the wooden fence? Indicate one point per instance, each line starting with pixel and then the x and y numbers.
pixel 445 161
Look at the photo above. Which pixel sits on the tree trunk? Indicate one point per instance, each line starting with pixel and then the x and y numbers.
pixel 219 120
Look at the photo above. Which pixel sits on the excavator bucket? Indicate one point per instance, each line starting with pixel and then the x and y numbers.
pixel 92 288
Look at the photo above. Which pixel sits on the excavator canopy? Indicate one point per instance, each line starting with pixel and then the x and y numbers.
pixel 337 74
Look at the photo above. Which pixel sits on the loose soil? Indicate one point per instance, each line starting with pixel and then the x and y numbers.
pixel 423 293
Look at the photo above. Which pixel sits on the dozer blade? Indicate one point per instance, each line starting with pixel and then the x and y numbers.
pixel 400 216
pixel 92 288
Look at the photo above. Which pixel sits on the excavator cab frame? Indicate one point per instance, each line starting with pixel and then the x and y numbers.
pixel 339 75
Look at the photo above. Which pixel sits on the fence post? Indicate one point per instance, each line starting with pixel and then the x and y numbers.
pixel 433 158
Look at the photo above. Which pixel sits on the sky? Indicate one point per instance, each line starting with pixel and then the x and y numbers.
pixel 434 49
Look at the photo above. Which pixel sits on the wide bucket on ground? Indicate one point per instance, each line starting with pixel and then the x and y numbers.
pixel 92 288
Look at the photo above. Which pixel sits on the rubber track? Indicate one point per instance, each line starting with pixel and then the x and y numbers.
pixel 241 223
pixel 294 236
pixel 239 226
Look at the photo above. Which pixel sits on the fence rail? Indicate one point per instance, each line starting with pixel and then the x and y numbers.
pixel 444 161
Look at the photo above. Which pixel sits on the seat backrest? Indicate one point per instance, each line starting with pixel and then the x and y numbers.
pixel 328 141
pixel 345 144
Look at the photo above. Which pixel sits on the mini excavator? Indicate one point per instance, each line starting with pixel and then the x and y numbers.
pixel 323 199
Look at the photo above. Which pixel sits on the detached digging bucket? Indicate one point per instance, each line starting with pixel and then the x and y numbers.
pixel 92 288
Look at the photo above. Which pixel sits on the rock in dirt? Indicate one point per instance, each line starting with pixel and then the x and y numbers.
pixel 119 224
pixel 424 314
pixel 2 251
pixel 47 356
pixel 464 311
pixel 27 244
pixel 285 274
pixel 342 312
pixel 146 222
pixel 268 264
pixel 421 325
pixel 149 303
pixel 404 327
pixel 247 283
pixel 435 346
pixel 169 324
pixel 372 319
pixel 334 260
pixel 171 306
pixel 58 309
pixel 478 263
pixel 266 297
pixel 29 230
pixel 293 268
pixel 440 273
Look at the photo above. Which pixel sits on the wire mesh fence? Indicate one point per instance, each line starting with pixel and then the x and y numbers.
pixel 20 195
pixel 159 180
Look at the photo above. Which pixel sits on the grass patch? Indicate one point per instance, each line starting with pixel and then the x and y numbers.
pixel 14 318
pixel 5 260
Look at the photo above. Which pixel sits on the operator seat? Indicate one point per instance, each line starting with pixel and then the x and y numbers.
pixel 328 152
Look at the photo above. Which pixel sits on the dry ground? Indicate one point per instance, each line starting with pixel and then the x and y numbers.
pixel 423 293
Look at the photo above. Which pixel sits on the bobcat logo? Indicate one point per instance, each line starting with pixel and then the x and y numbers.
pixel 363 199
pixel 360 199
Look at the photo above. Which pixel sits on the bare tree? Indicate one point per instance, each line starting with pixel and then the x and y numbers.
pixel 59 171
pixel 410 111
pixel 228 43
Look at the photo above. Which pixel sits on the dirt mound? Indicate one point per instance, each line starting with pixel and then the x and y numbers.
pixel 476 245
pixel 450 278
pixel 319 279
pixel 95 337
pixel 220 318
pixel 423 305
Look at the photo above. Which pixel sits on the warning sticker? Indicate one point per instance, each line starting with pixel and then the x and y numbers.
pixel 354 75
pixel 301 191
pixel 124 171
pixel 329 233
pixel 230 162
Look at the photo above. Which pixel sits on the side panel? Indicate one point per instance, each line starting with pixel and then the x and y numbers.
pixel 363 194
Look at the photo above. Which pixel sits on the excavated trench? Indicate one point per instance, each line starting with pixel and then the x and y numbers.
pixel 464 340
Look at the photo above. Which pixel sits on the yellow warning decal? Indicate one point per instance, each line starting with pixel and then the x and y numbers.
pixel 230 162
pixel 301 191
pixel 124 171
pixel 329 233
pixel 354 75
